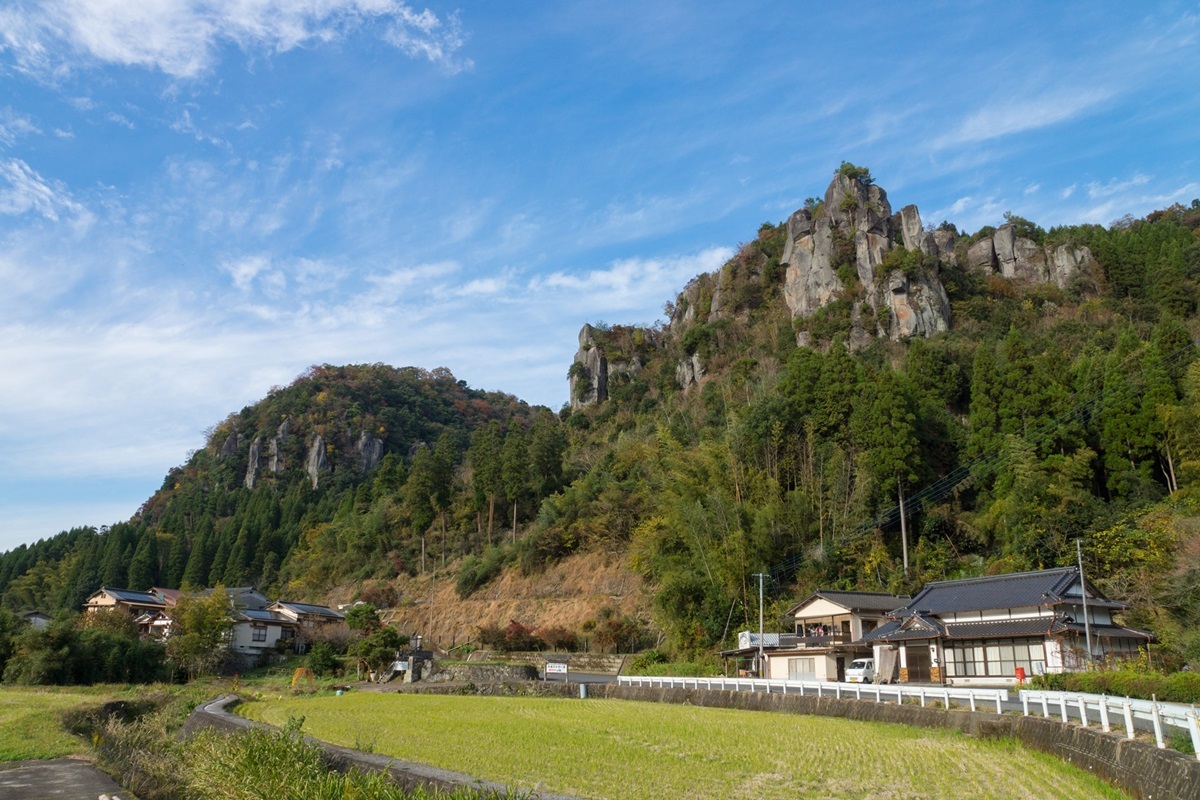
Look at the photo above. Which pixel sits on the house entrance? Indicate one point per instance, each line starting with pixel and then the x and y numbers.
pixel 917 658
pixel 841 669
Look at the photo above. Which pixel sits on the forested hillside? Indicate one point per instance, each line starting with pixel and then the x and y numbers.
pixel 1007 414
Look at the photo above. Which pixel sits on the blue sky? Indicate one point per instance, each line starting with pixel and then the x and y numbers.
pixel 201 198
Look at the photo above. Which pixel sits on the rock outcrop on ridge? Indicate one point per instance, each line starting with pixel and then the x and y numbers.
pixel 1011 256
pixel 877 272
pixel 855 228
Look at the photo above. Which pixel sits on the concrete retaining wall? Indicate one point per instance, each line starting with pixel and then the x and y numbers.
pixel 597 663
pixel 481 673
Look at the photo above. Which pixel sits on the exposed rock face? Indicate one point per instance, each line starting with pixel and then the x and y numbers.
pixel 689 371
pixel 894 305
pixel 1021 259
pixel 317 461
pixel 277 442
pixel 592 385
pixel 232 443
pixel 252 463
pixel 370 451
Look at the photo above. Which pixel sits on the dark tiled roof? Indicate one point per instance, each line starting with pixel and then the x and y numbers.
pixel 1016 590
pixel 261 615
pixel 307 608
pixel 130 596
pixel 878 602
pixel 1107 631
pixel 893 632
pixel 1029 626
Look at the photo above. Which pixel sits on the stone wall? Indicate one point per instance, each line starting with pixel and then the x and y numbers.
pixel 596 663
pixel 481 673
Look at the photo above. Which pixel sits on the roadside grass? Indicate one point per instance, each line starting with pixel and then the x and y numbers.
pixel 31 719
pixel 623 749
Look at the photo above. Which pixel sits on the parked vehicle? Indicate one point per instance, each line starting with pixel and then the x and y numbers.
pixel 861 670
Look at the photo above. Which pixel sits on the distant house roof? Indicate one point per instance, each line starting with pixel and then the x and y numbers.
pixel 129 597
pixel 310 610
pixel 36 618
pixel 168 596
pixel 856 602
pixel 243 597
pixel 1047 587
pixel 262 616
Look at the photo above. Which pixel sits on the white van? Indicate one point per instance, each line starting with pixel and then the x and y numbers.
pixel 861 670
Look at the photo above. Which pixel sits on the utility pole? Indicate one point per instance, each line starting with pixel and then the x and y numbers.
pixel 1087 624
pixel 761 667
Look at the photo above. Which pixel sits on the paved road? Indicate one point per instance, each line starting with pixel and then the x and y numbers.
pixel 56 779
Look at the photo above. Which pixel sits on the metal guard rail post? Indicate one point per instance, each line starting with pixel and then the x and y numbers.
pixel 944 695
pixel 1159 715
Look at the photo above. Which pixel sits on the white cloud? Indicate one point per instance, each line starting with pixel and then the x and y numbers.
pixel 1022 114
pixel 1032 188
pixel 23 190
pixel 120 119
pixel 1070 190
pixel 14 127
pixel 634 283
pixel 1097 190
pixel 181 37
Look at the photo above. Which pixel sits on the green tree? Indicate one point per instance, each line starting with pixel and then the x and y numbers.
pixel 200 632
pixel 884 425
pixel 514 460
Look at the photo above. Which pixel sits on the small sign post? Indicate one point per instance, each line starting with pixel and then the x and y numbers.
pixel 557 668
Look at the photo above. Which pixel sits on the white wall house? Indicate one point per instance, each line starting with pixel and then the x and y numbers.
pixel 983 630
pixel 828 627
pixel 258 630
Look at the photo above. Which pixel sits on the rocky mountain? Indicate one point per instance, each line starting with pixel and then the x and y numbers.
pixel 848 254
pixel 1018 389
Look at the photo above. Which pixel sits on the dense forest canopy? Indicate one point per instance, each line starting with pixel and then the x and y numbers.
pixel 1043 416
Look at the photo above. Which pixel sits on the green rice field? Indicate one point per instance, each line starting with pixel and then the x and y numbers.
pixel 30 725
pixel 621 749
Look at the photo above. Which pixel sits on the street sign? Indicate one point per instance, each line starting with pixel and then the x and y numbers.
pixel 556 668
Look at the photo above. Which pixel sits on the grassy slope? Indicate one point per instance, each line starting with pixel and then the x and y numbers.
pixel 30 720
pixel 615 749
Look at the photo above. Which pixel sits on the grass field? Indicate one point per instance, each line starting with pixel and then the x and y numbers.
pixel 30 720
pixel 618 749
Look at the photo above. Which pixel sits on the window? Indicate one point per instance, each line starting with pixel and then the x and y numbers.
pixel 802 669
pixel 994 658
pixel 258 633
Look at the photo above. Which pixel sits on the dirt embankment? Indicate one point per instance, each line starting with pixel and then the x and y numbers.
pixel 566 595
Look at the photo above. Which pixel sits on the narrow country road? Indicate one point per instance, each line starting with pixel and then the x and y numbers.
pixel 56 779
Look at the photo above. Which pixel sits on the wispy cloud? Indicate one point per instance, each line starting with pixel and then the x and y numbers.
pixel 181 39
pixel 1097 190
pixel 24 191
pixel 14 126
pixel 634 282
pixel 1006 117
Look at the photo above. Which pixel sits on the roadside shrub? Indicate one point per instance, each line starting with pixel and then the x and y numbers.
pixel 322 660
pixel 559 638
pixel 1178 687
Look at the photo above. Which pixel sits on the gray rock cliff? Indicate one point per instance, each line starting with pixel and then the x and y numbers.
pixel 317 460
pixel 888 303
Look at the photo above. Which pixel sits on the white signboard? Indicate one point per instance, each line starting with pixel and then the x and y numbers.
pixel 556 668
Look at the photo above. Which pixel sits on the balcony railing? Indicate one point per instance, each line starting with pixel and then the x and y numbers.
pixel 831 638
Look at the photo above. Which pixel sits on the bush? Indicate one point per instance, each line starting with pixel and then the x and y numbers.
pixel 322 660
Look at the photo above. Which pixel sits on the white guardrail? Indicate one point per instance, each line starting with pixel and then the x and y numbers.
pixel 856 691
pixel 1103 709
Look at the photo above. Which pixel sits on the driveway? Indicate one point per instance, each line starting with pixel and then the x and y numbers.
pixel 56 779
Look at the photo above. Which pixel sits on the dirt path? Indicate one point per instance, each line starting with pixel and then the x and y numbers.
pixel 57 779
